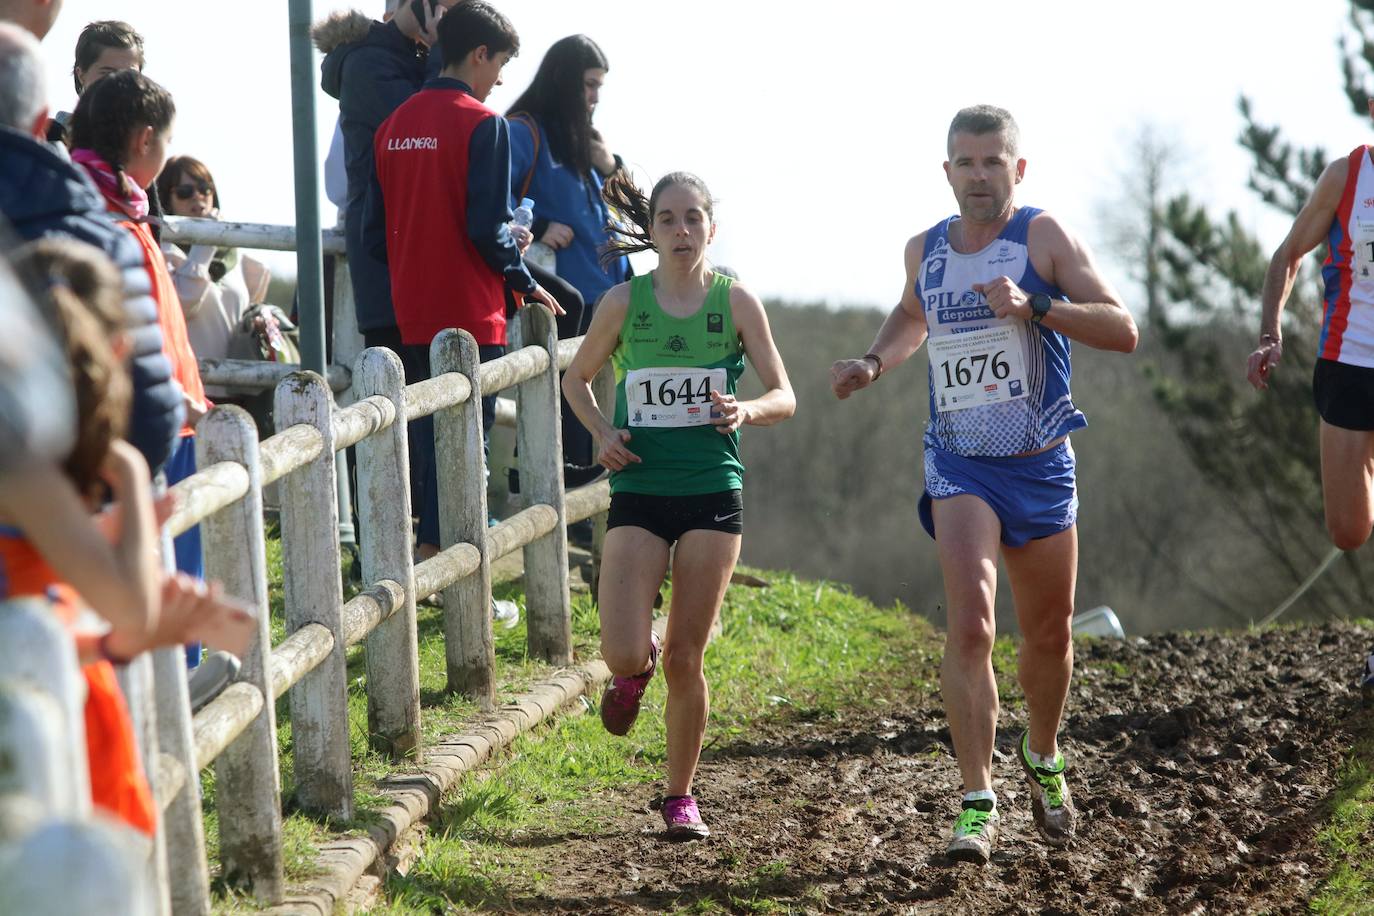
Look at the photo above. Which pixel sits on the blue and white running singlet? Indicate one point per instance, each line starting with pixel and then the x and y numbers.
pixel 997 388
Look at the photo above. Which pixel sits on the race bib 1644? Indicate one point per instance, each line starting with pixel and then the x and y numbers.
pixel 672 396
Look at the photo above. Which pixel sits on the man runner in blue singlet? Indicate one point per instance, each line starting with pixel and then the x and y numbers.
pixel 998 292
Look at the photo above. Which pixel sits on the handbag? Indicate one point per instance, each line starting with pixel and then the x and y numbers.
pixel 275 341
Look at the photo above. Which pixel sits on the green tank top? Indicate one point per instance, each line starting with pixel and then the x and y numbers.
pixel 665 368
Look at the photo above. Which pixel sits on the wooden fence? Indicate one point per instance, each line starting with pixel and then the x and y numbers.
pixel 236 732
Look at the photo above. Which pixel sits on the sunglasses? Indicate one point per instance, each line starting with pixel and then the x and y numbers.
pixel 187 191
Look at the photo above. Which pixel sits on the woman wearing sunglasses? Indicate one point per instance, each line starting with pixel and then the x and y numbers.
pixel 216 285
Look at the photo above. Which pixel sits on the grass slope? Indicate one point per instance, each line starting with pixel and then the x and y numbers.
pixel 1348 837
pixel 796 651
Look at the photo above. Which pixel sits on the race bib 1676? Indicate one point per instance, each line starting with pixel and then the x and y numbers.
pixel 977 367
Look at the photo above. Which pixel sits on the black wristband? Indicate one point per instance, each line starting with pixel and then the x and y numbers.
pixel 877 361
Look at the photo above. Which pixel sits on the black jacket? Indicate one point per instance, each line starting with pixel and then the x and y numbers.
pixel 371 68
pixel 43 194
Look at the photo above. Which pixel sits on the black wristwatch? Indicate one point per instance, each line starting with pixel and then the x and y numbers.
pixel 1040 306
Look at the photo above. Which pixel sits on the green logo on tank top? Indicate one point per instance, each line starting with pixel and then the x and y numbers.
pixel 715 323
pixel 642 322
pixel 677 343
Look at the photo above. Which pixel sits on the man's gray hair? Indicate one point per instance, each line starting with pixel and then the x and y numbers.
pixel 23 91
pixel 985 119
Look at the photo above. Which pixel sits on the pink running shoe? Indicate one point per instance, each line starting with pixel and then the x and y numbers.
pixel 683 819
pixel 620 702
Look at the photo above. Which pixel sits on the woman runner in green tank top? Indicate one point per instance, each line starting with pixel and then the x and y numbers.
pixel 665 370
pixel 677 338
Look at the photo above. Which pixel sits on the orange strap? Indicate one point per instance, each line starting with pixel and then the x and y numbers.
pixel 529 122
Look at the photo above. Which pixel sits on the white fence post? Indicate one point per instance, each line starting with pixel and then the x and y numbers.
pixel 37 653
pixel 66 865
pixel 53 858
pixel 34 749
pixel 181 826
pixel 541 481
pixel 314 594
pixel 393 673
pixel 469 648
pixel 136 682
pixel 348 340
pixel 248 782
pixel 181 823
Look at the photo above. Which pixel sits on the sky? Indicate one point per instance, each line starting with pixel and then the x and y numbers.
pixel 821 136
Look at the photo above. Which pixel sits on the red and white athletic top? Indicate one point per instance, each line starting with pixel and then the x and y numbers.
pixel 1348 312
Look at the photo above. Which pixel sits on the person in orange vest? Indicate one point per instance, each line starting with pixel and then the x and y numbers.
pixel 52 548
pixel 42 193
pixel 119 134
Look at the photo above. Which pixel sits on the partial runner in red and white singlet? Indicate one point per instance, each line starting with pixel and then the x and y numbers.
pixel 1348 301
pixel 1340 211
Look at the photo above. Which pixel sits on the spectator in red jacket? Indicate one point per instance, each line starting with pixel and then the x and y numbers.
pixel 443 171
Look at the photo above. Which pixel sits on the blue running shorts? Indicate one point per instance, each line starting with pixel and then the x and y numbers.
pixel 1034 496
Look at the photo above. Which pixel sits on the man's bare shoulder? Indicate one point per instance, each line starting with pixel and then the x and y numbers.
pixel 916 248
pixel 1047 233
pixel 1331 182
pixel 1046 223
pixel 1337 170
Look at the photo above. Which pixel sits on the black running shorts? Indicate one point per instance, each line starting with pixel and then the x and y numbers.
pixel 670 517
pixel 1344 394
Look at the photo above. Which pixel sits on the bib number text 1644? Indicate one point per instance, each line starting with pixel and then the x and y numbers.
pixel 670 392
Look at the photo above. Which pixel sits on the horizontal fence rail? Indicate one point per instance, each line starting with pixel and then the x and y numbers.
pixel 186 230
pixel 256 375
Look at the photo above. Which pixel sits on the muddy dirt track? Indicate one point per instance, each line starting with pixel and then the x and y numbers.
pixel 1200 764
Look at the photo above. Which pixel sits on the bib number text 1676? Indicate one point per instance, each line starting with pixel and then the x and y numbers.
pixel 963 369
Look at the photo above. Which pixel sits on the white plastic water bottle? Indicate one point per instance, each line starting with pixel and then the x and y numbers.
pixel 524 215
pixel 538 253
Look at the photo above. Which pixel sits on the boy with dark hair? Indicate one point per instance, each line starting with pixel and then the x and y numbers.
pixel 106 47
pixel 443 180
pixel 476 24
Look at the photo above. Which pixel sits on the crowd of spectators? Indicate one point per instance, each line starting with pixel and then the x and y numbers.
pixel 100 387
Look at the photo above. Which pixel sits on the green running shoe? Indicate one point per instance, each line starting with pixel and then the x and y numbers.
pixel 974 832
pixel 1051 804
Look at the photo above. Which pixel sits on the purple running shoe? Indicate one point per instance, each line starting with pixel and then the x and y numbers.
pixel 683 819
pixel 620 702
